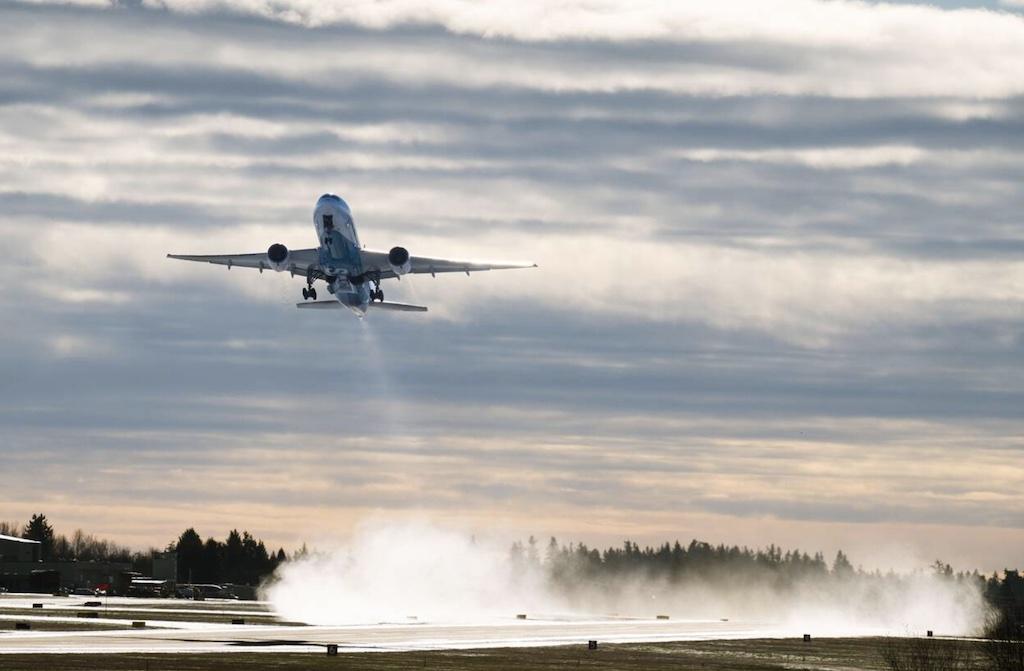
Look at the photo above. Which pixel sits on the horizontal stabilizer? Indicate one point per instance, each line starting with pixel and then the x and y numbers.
pixel 400 307
pixel 320 305
pixel 330 305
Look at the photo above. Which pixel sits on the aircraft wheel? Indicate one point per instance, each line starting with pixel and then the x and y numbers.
pixel 312 293
pixel 305 294
pixel 380 295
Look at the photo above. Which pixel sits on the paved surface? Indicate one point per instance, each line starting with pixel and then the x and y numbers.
pixel 367 637
pixel 174 636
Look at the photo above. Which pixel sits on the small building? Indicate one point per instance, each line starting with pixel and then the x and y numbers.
pixel 14 549
pixel 49 576
pixel 151 587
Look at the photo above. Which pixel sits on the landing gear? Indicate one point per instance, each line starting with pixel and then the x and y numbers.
pixel 309 291
pixel 377 294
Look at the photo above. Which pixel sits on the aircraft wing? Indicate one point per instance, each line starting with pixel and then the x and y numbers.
pixel 300 261
pixel 378 262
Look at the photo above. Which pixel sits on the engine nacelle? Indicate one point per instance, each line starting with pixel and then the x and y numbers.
pixel 400 261
pixel 278 256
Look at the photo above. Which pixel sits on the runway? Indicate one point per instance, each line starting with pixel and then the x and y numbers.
pixel 208 629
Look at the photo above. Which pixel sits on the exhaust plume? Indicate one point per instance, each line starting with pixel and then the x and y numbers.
pixel 391 571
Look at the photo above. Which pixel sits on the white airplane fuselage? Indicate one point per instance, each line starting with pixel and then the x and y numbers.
pixel 339 253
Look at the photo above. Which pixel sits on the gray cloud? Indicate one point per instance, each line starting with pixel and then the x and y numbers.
pixel 855 300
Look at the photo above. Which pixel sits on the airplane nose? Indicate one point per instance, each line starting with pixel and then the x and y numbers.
pixel 334 200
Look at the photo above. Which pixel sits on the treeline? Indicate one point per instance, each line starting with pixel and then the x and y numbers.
pixel 572 568
pixel 1006 595
pixel 569 565
pixel 240 559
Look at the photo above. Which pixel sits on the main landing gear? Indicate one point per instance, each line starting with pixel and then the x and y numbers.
pixel 377 294
pixel 308 293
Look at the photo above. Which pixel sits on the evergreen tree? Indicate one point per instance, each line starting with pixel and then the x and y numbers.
pixel 842 567
pixel 532 556
pixel 517 560
pixel 254 562
pixel 551 554
pixel 210 566
pixel 38 529
pixel 233 558
pixel 190 555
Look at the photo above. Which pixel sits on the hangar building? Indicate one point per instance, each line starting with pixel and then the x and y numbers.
pixel 22 569
pixel 14 549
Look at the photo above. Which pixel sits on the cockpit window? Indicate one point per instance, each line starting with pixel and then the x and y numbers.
pixel 328 222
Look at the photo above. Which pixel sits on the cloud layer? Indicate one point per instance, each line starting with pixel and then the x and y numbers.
pixel 779 295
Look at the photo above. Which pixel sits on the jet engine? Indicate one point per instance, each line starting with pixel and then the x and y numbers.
pixel 277 256
pixel 399 260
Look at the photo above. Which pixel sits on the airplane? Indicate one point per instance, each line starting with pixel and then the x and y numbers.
pixel 348 269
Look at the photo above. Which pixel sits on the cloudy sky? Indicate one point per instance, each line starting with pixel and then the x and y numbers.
pixel 780 295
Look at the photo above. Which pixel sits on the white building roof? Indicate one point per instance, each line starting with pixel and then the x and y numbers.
pixel 18 540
